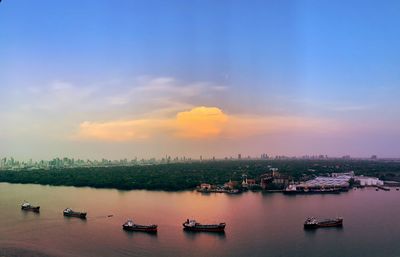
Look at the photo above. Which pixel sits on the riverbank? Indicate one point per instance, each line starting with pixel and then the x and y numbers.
pixel 187 176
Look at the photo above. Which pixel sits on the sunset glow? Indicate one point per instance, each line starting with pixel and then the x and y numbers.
pixel 253 78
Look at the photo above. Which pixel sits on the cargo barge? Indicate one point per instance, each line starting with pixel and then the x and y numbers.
pixel 292 190
pixel 192 225
pixel 28 207
pixel 70 213
pixel 131 226
pixel 314 223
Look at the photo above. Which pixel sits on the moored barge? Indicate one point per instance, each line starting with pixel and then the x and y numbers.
pixel 192 225
pixel 70 213
pixel 292 189
pixel 28 207
pixel 313 223
pixel 131 226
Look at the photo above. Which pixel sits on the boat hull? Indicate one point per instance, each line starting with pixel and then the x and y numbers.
pixel 141 228
pixel 324 224
pixel 205 228
pixel 81 215
pixel 31 208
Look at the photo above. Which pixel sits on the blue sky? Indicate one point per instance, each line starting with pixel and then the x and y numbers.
pixel 324 74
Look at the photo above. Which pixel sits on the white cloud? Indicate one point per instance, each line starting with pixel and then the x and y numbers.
pixel 53 110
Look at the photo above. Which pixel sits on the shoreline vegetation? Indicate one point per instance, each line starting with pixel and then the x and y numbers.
pixel 187 176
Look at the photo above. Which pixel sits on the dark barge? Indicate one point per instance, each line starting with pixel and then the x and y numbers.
pixel 28 207
pixel 70 213
pixel 192 225
pixel 131 226
pixel 313 223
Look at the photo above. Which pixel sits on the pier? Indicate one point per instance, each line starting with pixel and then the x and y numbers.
pixel 383 188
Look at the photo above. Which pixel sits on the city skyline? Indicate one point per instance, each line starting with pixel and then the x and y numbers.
pixel 10 162
pixel 99 80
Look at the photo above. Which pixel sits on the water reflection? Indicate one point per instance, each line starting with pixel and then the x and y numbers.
pixel 255 222
pixel 29 213
pixel 235 195
pixel 74 219
pixel 315 232
pixel 136 234
pixel 310 232
pixel 18 252
pixel 192 235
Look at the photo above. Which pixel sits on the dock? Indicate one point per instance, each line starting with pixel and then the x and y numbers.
pixel 383 188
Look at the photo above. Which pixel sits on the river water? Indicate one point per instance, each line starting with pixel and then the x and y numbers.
pixel 257 224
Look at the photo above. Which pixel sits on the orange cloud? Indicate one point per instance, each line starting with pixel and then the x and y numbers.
pixel 201 123
pixel 114 130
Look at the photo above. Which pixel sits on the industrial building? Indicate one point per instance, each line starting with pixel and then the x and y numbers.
pixel 368 181
pixel 326 182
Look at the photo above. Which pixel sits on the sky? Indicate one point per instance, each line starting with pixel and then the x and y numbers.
pixel 124 79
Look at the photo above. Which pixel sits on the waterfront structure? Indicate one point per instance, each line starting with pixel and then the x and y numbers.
pixel 339 182
pixel 278 179
pixel 281 180
pixel 231 184
pixel 391 183
pixel 251 184
pixel 368 181
pixel 209 188
pixel 274 180
pixel 246 183
pixel 205 186
pixel 265 179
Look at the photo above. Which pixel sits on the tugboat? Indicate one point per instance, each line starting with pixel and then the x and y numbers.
pixel 130 226
pixel 192 225
pixel 28 207
pixel 313 223
pixel 70 213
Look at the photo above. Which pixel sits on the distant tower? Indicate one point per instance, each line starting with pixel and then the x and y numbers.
pixel 239 156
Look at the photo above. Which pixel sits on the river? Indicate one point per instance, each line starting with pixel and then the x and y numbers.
pixel 257 224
